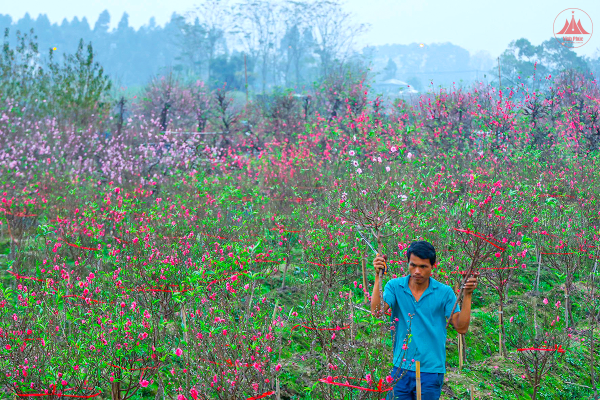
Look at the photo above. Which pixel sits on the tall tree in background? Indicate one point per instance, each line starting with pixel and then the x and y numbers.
pixel 334 32
pixel 522 59
pixel 390 70
pixel 80 86
pixel 206 38
pixel 294 48
pixel 259 29
pixel 101 25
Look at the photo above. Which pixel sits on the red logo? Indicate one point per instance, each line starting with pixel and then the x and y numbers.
pixel 573 28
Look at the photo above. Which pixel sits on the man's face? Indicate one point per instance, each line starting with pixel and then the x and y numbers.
pixel 420 269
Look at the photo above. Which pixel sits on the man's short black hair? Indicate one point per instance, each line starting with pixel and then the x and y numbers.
pixel 422 249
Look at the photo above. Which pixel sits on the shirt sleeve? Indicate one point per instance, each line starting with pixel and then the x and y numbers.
pixel 450 300
pixel 389 296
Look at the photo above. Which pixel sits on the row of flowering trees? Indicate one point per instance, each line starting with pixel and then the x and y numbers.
pixel 151 268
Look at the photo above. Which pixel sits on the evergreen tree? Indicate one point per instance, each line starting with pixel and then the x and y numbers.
pixel 103 22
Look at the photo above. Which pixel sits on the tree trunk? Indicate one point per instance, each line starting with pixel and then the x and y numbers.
pixel 501 328
pixel 285 270
pixel 115 390
pixel 593 361
pixel 160 393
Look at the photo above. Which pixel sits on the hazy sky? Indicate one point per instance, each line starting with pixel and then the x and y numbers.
pixel 472 24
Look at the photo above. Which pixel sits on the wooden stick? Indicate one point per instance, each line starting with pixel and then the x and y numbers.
pixel 418 380
pixel 472 391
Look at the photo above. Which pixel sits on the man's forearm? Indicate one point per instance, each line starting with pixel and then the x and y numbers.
pixel 464 316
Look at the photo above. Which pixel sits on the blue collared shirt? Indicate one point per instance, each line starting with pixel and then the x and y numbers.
pixel 427 342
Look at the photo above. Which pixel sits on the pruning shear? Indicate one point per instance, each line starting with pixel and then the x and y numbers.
pixel 371 246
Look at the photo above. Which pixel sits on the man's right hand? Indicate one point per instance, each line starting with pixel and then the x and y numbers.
pixel 380 264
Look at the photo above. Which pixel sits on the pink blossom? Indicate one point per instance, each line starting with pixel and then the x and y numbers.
pixel 178 352
pixel 144 383
pixel 545 301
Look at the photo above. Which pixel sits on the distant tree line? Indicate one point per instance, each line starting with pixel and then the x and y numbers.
pixel 286 44
pixel 522 61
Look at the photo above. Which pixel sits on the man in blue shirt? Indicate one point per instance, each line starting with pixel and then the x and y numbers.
pixel 420 305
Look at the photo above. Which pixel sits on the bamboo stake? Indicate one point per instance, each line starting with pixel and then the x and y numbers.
pixel 364 275
pixel 537 278
pixel 500 333
pixel 351 316
pixel 460 351
pixel 418 380
pixel 566 304
pixel 472 391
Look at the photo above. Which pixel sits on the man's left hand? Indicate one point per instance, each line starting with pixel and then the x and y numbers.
pixel 471 283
